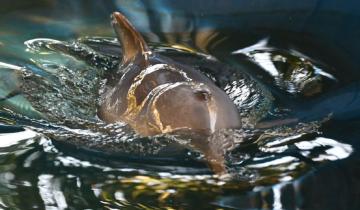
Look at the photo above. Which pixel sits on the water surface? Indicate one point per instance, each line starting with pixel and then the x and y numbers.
pixel 59 155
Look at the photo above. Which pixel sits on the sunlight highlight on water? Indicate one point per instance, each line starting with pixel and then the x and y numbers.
pixel 71 159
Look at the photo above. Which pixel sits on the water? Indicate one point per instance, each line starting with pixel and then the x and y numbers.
pixel 57 154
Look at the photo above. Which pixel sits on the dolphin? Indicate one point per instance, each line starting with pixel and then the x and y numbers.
pixel 157 95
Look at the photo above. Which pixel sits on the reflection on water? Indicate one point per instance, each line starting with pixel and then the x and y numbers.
pixel 65 181
pixel 66 158
pixel 70 74
pixel 290 70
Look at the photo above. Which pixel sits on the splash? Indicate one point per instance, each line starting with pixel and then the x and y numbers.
pixel 61 85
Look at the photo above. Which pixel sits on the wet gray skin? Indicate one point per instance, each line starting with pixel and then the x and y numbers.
pixel 157 95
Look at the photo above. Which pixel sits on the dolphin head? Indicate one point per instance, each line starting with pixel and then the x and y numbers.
pixel 182 106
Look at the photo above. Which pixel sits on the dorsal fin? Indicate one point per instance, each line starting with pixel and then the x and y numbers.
pixel 133 45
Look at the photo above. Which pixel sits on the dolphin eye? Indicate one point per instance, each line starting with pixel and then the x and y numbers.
pixel 202 94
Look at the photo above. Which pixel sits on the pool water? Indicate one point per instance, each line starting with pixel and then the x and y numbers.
pixel 296 79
